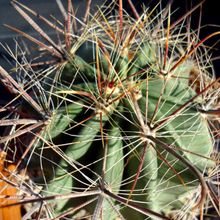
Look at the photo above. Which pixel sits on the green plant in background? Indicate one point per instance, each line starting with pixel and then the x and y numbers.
pixel 121 123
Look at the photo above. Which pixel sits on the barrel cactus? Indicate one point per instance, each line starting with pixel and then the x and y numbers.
pixel 121 123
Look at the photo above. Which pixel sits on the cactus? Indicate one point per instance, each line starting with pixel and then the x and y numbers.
pixel 122 123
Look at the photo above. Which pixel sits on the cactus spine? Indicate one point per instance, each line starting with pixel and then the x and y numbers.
pixel 127 130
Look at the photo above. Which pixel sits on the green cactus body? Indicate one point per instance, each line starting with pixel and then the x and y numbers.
pixel 113 103
pixel 185 130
